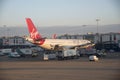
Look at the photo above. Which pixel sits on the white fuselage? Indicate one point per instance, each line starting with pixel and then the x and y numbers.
pixel 51 43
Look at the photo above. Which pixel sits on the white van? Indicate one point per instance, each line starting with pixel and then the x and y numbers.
pixel 6 51
pixel 93 58
pixel 1 53
pixel 14 55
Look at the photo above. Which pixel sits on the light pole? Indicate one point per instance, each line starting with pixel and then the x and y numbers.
pixel 4 26
pixel 83 30
pixel 97 20
pixel 8 32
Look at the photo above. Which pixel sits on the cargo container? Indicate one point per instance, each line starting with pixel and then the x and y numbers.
pixel 67 54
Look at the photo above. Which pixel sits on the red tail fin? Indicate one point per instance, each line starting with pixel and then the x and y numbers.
pixel 32 30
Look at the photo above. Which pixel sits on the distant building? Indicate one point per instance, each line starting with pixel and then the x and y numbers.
pixel 12 41
pixel 16 42
pixel 108 41
pixel 77 36
pixel 108 37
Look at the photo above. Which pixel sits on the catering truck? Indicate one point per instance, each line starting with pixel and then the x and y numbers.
pixel 67 54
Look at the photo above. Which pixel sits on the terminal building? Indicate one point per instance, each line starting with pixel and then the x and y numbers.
pixel 15 42
pixel 108 41
pixel 12 41
pixel 8 44
pixel 108 37
pixel 77 36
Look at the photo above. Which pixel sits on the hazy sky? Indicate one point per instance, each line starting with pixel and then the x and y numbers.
pixel 59 12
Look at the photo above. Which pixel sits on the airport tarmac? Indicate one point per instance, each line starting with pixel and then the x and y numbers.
pixel 78 69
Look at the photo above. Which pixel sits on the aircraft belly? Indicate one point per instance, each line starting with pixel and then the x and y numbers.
pixel 46 46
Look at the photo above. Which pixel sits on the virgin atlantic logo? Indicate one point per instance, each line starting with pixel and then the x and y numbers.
pixel 34 34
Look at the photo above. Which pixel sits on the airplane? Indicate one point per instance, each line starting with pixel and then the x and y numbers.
pixel 52 44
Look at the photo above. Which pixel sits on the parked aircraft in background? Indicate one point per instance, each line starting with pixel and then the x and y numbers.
pixel 52 44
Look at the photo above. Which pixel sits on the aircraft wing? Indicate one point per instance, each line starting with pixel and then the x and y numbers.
pixel 86 45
